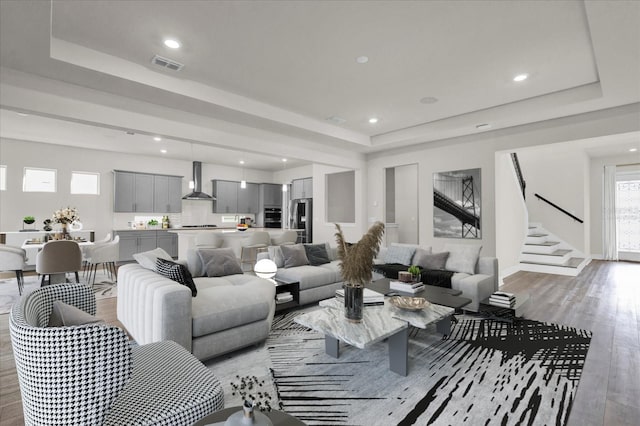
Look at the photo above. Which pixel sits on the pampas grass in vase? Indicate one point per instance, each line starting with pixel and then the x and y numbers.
pixel 356 266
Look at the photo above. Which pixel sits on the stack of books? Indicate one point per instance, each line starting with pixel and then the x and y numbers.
pixel 503 299
pixel 283 297
pixel 406 287
pixel 371 298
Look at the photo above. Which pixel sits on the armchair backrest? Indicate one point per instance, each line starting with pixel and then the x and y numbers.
pixel 67 375
pixel 58 257
pixel 12 258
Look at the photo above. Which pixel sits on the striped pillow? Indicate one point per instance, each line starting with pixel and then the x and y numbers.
pixel 176 272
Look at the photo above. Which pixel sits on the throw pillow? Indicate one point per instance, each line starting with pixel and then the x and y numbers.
pixel 147 259
pixel 431 261
pixel 275 254
pixel 462 258
pixel 63 315
pixel 399 254
pixel 316 254
pixel 178 273
pixel 219 262
pixel 294 255
pixel 419 255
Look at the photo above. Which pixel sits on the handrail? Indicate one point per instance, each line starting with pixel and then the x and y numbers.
pixel 559 208
pixel 516 165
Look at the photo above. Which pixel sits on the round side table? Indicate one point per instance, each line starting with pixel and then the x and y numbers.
pixel 279 418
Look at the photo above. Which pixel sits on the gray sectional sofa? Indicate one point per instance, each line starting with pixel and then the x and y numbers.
pixel 228 313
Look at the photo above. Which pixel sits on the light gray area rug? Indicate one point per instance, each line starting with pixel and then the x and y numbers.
pixel 485 373
pixel 103 288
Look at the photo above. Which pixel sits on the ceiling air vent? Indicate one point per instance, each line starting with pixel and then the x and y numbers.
pixel 166 63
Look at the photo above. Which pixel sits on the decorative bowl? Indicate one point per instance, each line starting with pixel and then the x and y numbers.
pixel 409 303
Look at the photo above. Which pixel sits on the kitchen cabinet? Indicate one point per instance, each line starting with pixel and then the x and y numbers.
pixel 249 198
pixel 146 193
pixel 226 194
pixel 168 242
pixel 132 242
pixel 270 195
pixel 302 188
pixel 167 194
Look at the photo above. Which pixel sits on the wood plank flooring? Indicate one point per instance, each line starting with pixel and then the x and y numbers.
pixel 604 298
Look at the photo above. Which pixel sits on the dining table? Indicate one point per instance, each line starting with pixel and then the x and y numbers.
pixel 38 244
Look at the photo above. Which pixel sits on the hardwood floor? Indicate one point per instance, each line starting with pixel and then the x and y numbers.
pixel 605 299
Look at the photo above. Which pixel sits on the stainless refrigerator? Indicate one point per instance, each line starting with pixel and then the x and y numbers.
pixel 301 218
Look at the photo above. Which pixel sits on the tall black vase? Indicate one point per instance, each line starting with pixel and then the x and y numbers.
pixel 353 303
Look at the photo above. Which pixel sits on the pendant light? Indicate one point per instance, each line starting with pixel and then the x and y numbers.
pixel 284 167
pixel 192 183
pixel 243 182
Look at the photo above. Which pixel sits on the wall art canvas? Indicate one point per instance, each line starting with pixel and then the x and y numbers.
pixel 456 204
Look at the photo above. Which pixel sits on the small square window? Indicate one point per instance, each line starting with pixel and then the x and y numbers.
pixel 3 178
pixel 85 183
pixel 39 180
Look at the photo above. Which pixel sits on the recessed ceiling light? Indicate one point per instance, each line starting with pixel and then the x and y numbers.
pixel 362 59
pixel 171 43
pixel 284 160
pixel 241 161
pixel 22 114
pixel 483 126
pixel 428 100
pixel 157 138
pixel 373 120
pixel 633 149
pixel 520 77
pixel 164 151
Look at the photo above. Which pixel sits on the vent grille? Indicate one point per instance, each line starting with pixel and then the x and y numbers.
pixel 166 63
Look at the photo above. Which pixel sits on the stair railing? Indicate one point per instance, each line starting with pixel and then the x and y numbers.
pixel 540 197
pixel 516 165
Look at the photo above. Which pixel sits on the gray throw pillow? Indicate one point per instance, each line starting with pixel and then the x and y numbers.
pixel 419 255
pixel 219 262
pixel 275 254
pixel 399 254
pixel 294 255
pixel 63 315
pixel 316 254
pixel 462 258
pixel 431 261
pixel 147 259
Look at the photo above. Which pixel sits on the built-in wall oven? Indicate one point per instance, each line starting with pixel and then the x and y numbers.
pixel 273 217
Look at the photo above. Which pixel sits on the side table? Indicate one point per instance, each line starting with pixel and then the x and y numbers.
pixel 501 313
pixel 291 287
pixel 278 418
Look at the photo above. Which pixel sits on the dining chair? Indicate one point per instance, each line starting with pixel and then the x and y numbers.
pixel 85 250
pixel 13 259
pixel 258 241
pixel 105 254
pixel 59 257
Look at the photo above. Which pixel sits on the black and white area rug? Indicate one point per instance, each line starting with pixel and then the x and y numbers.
pixel 485 373
pixel 104 287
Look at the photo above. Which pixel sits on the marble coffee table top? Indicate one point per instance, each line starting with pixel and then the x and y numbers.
pixel 420 319
pixel 332 322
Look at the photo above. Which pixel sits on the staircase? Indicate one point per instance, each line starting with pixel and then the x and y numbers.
pixel 545 253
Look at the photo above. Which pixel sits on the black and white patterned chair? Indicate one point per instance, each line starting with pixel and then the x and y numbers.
pixel 90 374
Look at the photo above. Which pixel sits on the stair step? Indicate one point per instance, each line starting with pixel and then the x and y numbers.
pixel 538 235
pixel 546 243
pixel 573 262
pixel 559 252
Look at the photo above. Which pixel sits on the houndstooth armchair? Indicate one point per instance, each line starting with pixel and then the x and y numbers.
pixel 90 374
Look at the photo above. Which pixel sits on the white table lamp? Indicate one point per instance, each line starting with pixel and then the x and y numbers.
pixel 265 268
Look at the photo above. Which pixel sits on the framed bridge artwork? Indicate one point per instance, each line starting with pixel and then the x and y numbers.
pixel 456 204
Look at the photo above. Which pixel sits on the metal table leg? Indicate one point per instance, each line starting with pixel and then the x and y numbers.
pixel 399 352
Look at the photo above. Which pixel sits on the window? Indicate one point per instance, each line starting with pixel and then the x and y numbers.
pixel 3 178
pixel 39 180
pixel 85 183
pixel 628 221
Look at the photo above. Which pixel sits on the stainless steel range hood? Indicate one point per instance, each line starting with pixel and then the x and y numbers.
pixel 197 193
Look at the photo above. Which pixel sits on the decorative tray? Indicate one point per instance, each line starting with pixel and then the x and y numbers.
pixel 409 303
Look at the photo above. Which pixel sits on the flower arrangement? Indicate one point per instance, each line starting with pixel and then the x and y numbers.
pixel 65 216
pixel 357 259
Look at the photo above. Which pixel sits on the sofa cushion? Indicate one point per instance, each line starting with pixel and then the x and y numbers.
pixel 317 254
pixel 63 315
pixel 462 257
pixel 229 302
pixel 311 276
pixel 178 273
pixel 431 261
pixel 399 254
pixel 275 254
pixel 294 255
pixel 147 259
pixel 219 262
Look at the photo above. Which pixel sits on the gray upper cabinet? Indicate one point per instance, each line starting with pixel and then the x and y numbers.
pixel 271 195
pixel 226 193
pixel 249 198
pixel 147 193
pixel 302 188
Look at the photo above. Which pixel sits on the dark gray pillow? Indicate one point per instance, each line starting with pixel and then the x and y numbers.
pixel 219 262
pixel 432 261
pixel 294 255
pixel 176 272
pixel 316 254
pixel 63 315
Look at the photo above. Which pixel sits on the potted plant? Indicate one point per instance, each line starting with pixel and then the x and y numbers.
pixel 356 267
pixel 152 223
pixel 415 273
pixel 28 220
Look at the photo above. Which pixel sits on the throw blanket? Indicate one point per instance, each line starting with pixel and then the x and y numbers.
pixel 439 278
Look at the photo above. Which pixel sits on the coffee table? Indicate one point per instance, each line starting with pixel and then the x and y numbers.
pixel 278 418
pixel 438 295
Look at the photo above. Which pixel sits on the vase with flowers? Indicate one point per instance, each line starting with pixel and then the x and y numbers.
pixel 356 266
pixel 65 217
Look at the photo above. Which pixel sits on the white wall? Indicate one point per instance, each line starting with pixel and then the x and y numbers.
pixel 406 201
